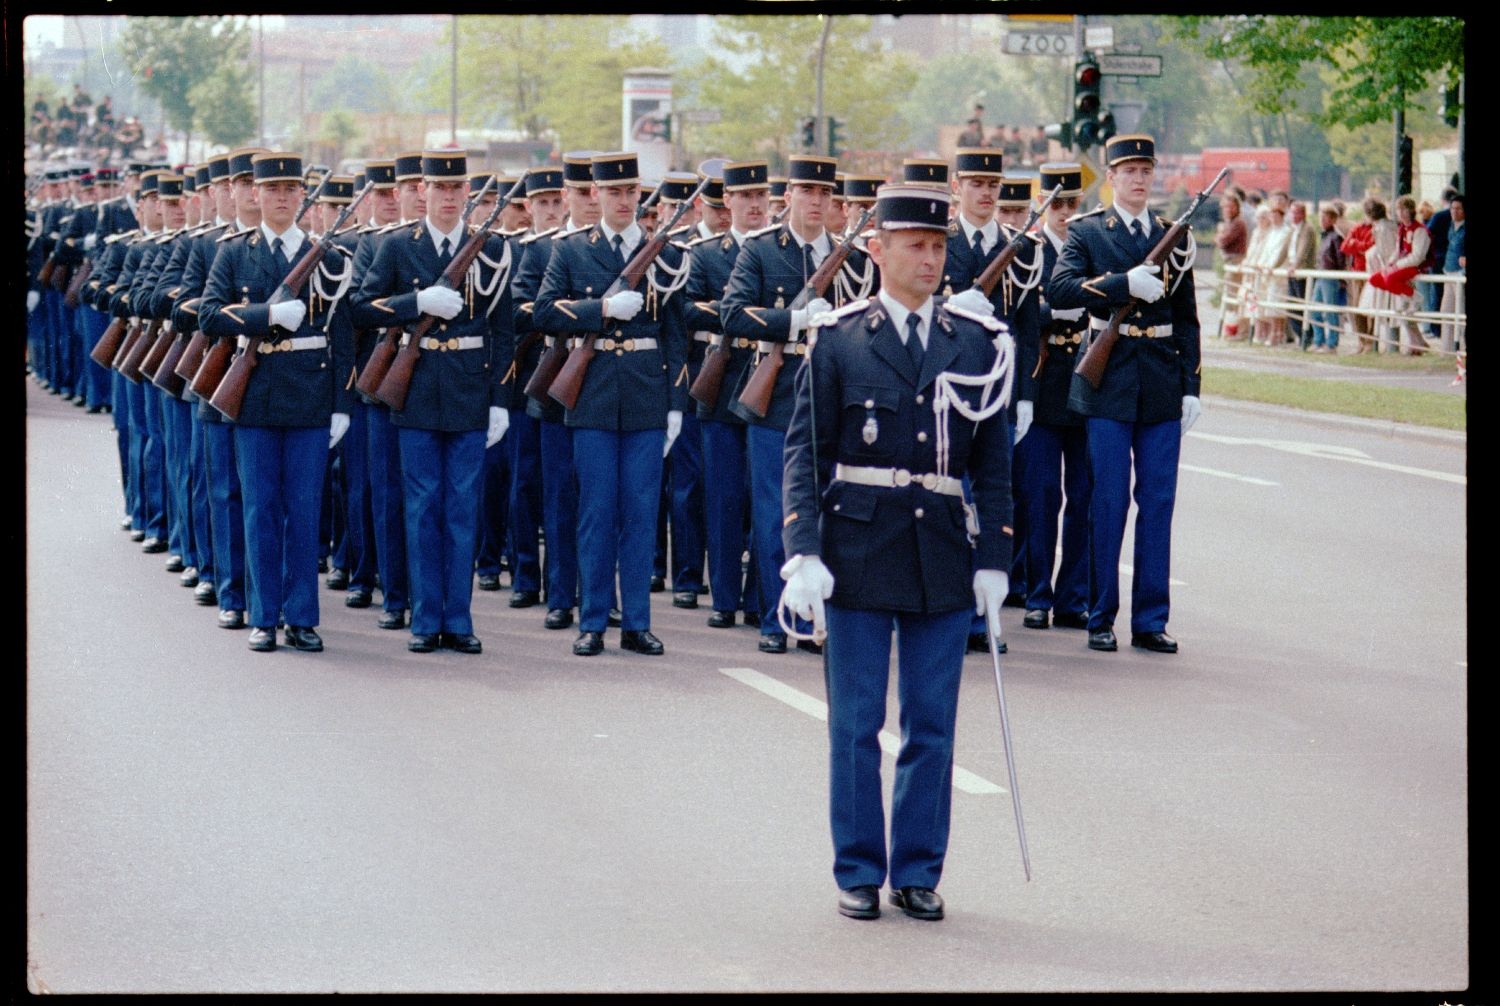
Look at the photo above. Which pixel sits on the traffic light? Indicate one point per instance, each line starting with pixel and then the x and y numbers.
pixel 1106 127
pixel 1086 102
pixel 835 136
pixel 1403 166
pixel 1062 132
pixel 809 133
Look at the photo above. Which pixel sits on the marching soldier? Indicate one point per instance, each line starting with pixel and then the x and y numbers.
pixel 859 194
pixel 453 409
pixel 777 205
pixel 1148 398
pixel 297 400
pixel 889 543
pixel 633 390
pixel 1056 448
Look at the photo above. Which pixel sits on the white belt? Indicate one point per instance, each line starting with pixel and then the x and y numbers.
pixel 703 337
pixel 1132 331
pixel 285 345
pixel 896 478
pixel 444 345
pixel 627 345
pixel 714 339
pixel 795 348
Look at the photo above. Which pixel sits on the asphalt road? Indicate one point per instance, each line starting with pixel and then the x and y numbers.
pixel 1281 806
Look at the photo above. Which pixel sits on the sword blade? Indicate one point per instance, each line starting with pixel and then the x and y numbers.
pixel 1010 757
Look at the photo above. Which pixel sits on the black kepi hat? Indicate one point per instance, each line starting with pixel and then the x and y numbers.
pixel 912 207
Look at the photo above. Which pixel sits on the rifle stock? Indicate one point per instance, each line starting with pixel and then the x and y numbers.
pixel 108 345
pixel 157 353
pixel 133 334
pixel 192 356
pixel 1095 356
pixel 547 368
pixel 75 285
pixel 379 362
pixel 44 274
pixel 60 276
pixel 165 375
pixel 709 383
pixel 210 373
pixel 131 368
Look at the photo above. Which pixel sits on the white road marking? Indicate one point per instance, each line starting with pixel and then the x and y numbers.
pixel 1228 475
pixel 1332 452
pixel 963 779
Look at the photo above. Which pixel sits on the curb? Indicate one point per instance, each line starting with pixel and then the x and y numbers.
pixel 1381 427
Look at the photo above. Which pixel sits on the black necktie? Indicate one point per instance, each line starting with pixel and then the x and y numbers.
pixel 619 242
pixel 914 341
pixel 978 244
pixel 278 248
pixel 446 255
pixel 1142 238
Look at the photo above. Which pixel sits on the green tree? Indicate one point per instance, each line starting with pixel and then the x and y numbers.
pixel 224 105
pixel 171 56
pixel 357 84
pixel 337 130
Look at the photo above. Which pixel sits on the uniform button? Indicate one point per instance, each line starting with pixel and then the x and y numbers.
pixel 619 352
pixel 869 403
pixel 922 437
pixel 919 511
pixel 920 399
pixel 838 506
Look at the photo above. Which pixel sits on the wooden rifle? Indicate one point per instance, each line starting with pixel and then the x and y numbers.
pixel 108 345
pixel 393 387
pixel 569 383
pixel 130 367
pixel 229 396
pixel 755 400
pixel 1095 355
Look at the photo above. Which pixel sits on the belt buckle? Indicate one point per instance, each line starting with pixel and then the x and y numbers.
pixel 929 482
pixel 1146 332
pixel 607 344
pixel 627 344
pixel 902 478
pixel 452 343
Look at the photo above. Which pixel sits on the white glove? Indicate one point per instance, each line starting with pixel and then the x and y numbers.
pixel 1071 314
pixel 804 315
pixel 624 305
pixel 975 302
pixel 89 240
pixel 990 588
pixel 33 298
pixel 499 423
pixel 1191 410
pixel 674 427
pixel 288 314
pixel 1144 285
pixel 440 301
pixel 808 585
pixel 1024 411
pixel 338 425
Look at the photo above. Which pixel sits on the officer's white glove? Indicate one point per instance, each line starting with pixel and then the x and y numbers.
pixel 288 314
pixel 808 585
pixel 1191 410
pixel 974 301
pixel 33 298
pixel 440 301
pixel 89 240
pixel 1071 314
pixel 338 425
pixel 674 427
pixel 1024 410
pixel 624 305
pixel 990 588
pixel 1144 285
pixel 803 316
pixel 499 423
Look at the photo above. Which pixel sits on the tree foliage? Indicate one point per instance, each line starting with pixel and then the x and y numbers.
pixel 224 106
pixel 172 56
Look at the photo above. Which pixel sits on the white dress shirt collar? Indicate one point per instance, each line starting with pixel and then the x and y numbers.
pixel 899 313
pixel 991 232
pixel 291 239
pixel 455 237
pixel 1144 219
pixel 1057 240
pixel 631 236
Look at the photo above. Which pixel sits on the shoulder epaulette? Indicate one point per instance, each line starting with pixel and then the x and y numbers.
pixel 121 236
pixel 347 230
pixel 829 317
pixel 763 231
pixel 581 232
pixel 699 240
pixel 990 322
pixel 537 237
pixel 387 228
pixel 230 236
pixel 1093 212
pixel 514 232
pixel 953 228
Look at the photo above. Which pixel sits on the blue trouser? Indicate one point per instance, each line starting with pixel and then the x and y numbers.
pixel 524 441
pixel 177 429
pixel 441 475
pixel 724 501
pixel 36 337
pixel 198 501
pixel 145 417
pixel 281 473
pixel 1050 451
pixel 333 537
pixel 1325 324
pixel 930 650
pixel 765 447
pixel 96 378
pixel 57 340
pixel 226 514
pixel 119 412
pixel 388 505
pixel 619 486
pixel 687 506
pixel 559 514
pixel 354 460
pixel 493 511
pixel 1155 448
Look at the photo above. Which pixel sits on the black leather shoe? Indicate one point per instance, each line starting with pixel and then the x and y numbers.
pixel 489 581
pixel 304 637
pixel 262 640
pixel 357 599
pixel 175 564
pixel 721 620
pixel 189 577
pixel 860 902
pixel 338 579
pixel 808 646
pixel 1069 620
pixel 205 594
pixel 525 599
pixel 588 644
pixel 422 644
pixel 775 642
pixel 1104 640
pixel 919 902
pixel 323 564
pixel 658 585
pixel 124 523
pixel 1014 600
pixel 1156 642
pixel 752 620
pixel 642 641
pixel 467 643
pixel 979 642
pixel 153 545
pixel 1036 618
pixel 559 618
pixel 137 536
pixel 234 620
pixel 685 599
pixel 392 619
pixel 615 618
